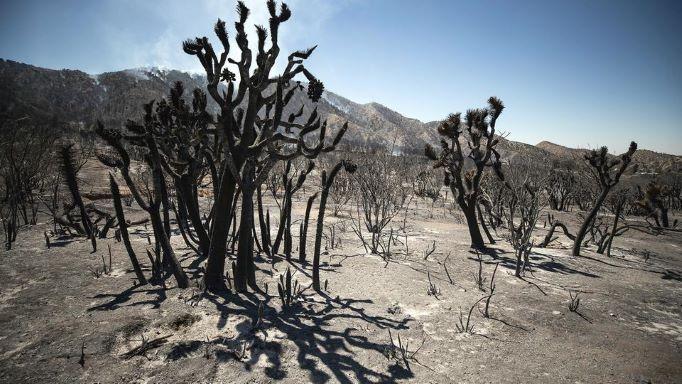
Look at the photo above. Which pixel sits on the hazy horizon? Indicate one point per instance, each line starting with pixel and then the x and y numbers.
pixel 579 74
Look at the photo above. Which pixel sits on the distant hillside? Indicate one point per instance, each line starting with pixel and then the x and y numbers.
pixel 559 150
pixel 644 161
pixel 78 99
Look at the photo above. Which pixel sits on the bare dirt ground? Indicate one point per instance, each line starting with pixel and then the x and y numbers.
pixel 60 324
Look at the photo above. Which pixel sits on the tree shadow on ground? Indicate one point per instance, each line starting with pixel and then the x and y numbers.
pixel 319 343
pixel 582 316
pixel 660 272
pixel 546 263
pixel 493 252
pixel 120 299
pixel 669 274
pixel 303 268
pixel 59 243
pixel 507 323
pixel 327 333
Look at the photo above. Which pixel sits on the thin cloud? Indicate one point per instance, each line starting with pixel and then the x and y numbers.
pixel 182 20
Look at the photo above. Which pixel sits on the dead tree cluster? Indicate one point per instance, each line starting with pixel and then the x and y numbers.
pixel 25 174
pixel 33 168
pixel 344 188
pixel 656 199
pixel 427 185
pixel 381 196
pixel 560 188
pixel 524 205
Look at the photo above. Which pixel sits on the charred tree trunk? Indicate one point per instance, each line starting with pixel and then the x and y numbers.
pixel 304 229
pixel 215 266
pixel 553 205
pixel 469 211
pixel 165 203
pixel 614 230
pixel 264 227
pixel 318 236
pixel 168 253
pixel 287 229
pixel 485 228
pixel 282 219
pixel 589 220
pixel 192 208
pixel 326 186
pixel 245 270
pixel 664 217
pixel 183 226
pixel 123 228
pixel 161 225
pixel 548 238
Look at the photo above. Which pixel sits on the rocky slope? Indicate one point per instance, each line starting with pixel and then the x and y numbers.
pixel 77 99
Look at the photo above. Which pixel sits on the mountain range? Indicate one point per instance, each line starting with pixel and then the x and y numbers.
pixel 77 99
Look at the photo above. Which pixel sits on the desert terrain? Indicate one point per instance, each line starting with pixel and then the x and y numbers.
pixel 61 323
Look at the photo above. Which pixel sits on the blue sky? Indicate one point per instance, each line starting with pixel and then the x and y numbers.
pixel 578 73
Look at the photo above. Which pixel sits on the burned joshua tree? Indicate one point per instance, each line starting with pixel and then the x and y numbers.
pixel 252 128
pixel 607 172
pixel 70 174
pixel 463 168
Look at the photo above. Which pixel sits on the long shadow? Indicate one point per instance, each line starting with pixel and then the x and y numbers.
pixel 563 287
pixel 509 324
pixel 120 299
pixel 669 274
pixel 319 345
pixel 61 243
pixel 303 268
pixel 490 251
pixel 583 316
pixel 533 284
pixel 551 265
pixel 621 266
pixel 141 232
